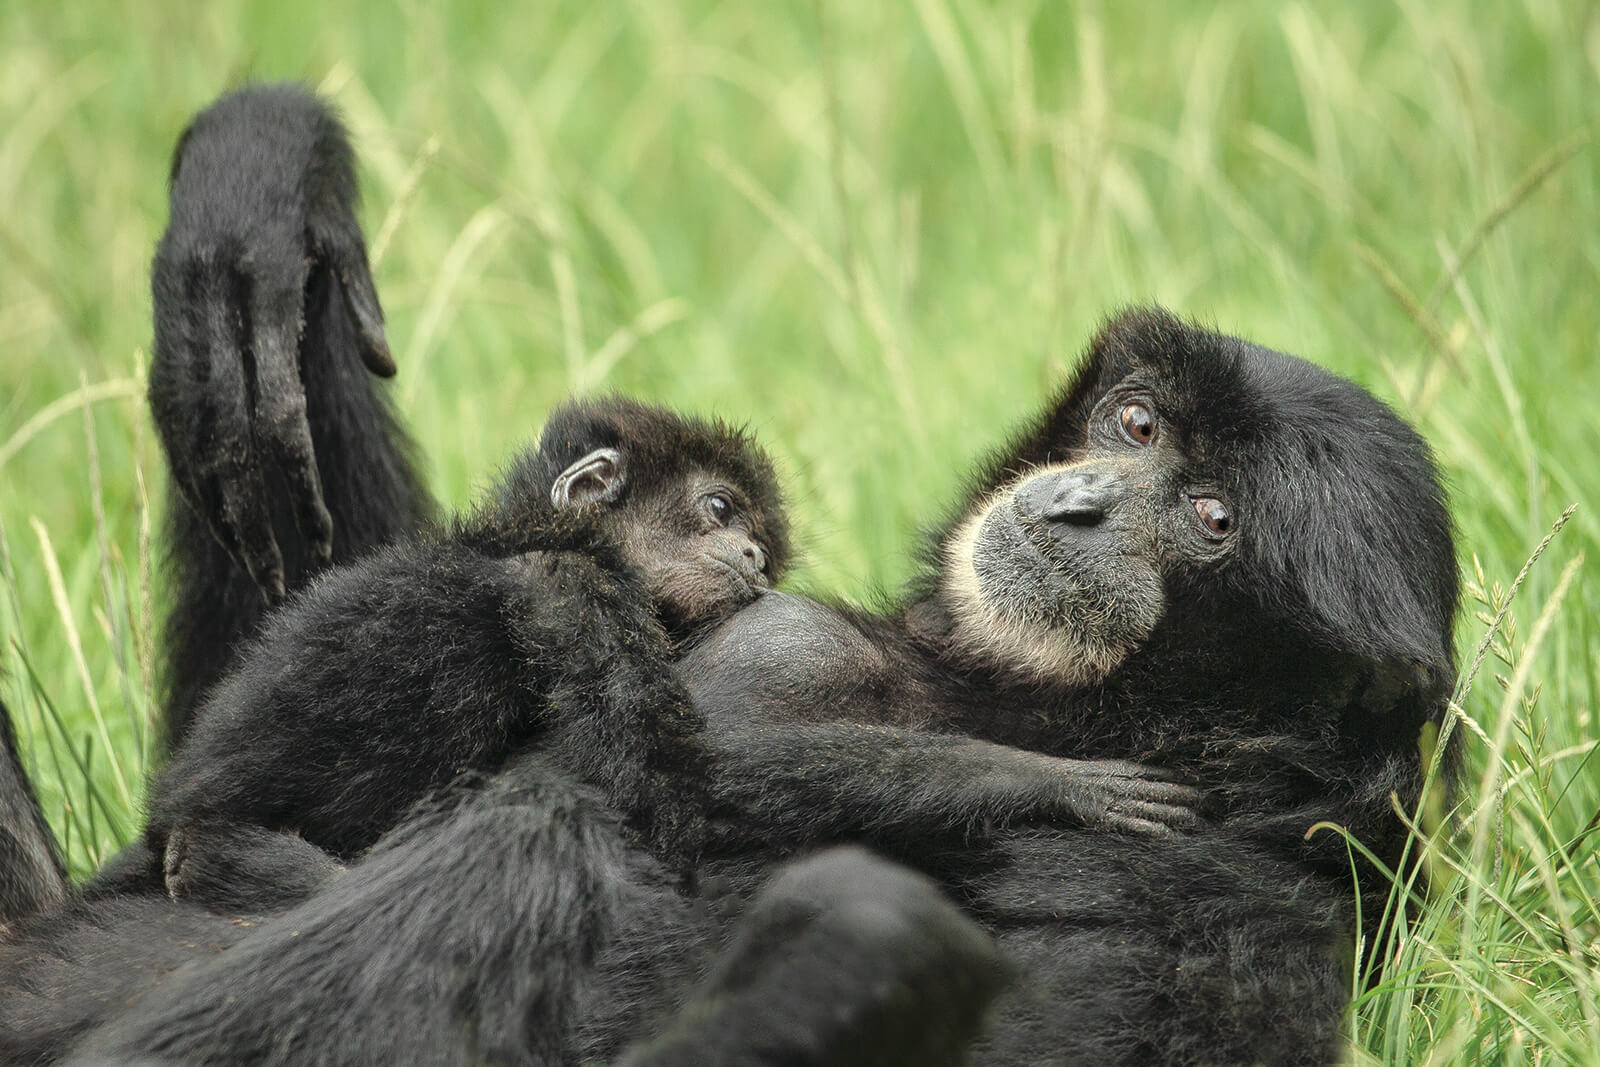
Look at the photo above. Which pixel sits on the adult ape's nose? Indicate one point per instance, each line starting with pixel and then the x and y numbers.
pixel 1082 497
pixel 755 559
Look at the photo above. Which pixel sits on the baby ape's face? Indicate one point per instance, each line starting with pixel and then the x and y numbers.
pixel 693 504
pixel 700 545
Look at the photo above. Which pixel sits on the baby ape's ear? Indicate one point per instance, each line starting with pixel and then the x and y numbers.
pixel 595 479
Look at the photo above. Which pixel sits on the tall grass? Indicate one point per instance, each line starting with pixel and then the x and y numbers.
pixel 878 232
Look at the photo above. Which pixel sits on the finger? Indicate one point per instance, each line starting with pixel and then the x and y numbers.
pixel 361 296
pixel 1172 793
pixel 246 529
pixel 282 427
pixel 1174 816
pixel 232 501
pixel 1178 818
pixel 1127 824
pixel 204 416
pixel 1116 768
pixel 339 239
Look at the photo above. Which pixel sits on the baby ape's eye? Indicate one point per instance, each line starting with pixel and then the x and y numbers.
pixel 1138 424
pixel 1214 515
pixel 719 507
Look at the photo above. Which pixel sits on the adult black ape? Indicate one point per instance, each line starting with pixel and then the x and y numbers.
pixel 550 617
pixel 1202 553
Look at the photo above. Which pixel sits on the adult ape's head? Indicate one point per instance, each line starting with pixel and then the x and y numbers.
pixel 1194 512
pixel 692 504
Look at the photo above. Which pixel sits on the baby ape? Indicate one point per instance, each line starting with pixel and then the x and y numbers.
pixel 547 617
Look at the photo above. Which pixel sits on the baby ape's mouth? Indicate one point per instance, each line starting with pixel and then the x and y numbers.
pixel 750 587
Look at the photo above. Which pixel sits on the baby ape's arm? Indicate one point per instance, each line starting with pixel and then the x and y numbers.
pixel 791 690
pixel 389 678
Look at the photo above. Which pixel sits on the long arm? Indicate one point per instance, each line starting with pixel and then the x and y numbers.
pixel 283 456
pixel 392 676
pixel 822 730
pixel 815 782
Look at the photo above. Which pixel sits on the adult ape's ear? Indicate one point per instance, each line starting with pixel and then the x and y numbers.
pixel 595 479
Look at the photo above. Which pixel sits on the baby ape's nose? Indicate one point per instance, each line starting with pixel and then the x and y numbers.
pixel 755 559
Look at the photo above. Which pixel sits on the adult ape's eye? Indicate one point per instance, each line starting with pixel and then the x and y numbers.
pixel 719 507
pixel 1138 423
pixel 1214 515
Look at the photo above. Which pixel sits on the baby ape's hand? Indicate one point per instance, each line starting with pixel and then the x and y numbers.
pixel 230 284
pixel 1125 797
pixel 243 869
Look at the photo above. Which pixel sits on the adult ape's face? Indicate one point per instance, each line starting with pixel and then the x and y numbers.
pixel 1061 571
pixel 1188 492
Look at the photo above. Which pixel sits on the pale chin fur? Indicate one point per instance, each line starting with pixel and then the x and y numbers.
pixel 1033 651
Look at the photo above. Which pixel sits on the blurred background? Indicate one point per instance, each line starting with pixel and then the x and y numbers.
pixel 878 233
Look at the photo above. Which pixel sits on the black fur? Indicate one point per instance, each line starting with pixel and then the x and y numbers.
pixel 508 920
pixel 32 876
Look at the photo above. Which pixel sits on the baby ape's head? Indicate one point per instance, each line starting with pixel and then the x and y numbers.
pixel 1204 512
pixel 692 504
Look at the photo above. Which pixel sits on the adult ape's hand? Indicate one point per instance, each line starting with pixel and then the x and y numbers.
pixel 263 194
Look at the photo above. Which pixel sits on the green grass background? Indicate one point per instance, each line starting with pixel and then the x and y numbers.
pixel 877 232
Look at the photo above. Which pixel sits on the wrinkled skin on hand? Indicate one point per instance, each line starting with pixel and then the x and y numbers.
pixel 234 265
